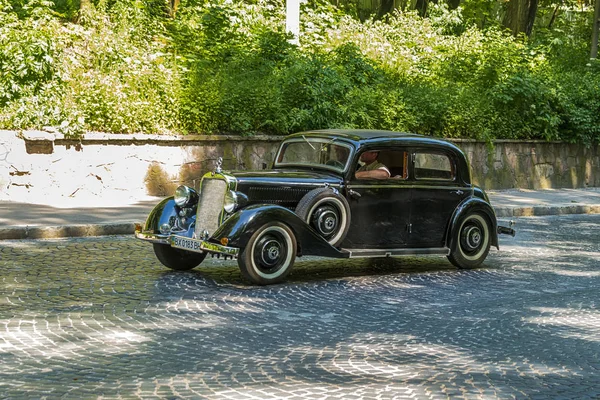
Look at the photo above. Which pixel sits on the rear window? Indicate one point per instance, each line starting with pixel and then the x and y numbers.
pixel 433 166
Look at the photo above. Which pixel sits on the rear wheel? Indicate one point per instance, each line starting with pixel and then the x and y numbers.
pixel 472 242
pixel 269 255
pixel 176 259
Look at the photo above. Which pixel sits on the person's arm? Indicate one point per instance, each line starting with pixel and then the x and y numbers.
pixel 380 173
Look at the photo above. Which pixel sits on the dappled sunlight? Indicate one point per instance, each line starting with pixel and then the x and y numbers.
pixel 575 323
pixel 105 315
pixel 576 274
pixel 70 337
pixel 376 361
pixel 213 304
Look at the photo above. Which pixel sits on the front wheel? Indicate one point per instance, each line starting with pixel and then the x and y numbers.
pixel 472 242
pixel 269 255
pixel 179 260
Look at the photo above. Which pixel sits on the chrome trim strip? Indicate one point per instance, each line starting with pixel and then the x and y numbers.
pixel 364 186
pixel 152 237
pixel 294 184
pixel 371 253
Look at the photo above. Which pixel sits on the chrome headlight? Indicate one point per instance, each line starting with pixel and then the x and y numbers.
pixel 185 196
pixel 231 202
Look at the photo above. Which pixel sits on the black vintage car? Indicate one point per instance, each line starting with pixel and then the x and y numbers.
pixel 315 201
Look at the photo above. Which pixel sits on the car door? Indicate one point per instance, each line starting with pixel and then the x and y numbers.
pixel 436 193
pixel 380 208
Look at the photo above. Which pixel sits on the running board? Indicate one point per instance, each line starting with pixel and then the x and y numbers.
pixel 365 253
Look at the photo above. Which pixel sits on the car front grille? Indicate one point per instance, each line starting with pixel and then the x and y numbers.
pixel 285 197
pixel 210 205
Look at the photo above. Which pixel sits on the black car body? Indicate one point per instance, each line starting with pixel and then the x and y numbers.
pixel 311 203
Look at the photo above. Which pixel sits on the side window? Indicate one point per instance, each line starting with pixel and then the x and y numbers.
pixel 372 162
pixel 396 162
pixel 434 166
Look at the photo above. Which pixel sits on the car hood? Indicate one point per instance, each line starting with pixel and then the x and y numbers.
pixel 286 177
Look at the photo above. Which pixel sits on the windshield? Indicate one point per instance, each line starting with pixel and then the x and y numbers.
pixel 314 152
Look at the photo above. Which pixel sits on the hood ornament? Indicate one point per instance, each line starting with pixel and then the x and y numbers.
pixel 218 169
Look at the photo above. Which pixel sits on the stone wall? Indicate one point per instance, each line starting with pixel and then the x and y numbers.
pixel 47 168
pixel 532 164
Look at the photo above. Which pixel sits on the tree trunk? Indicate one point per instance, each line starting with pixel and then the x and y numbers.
pixel 595 29
pixel 554 15
pixel 421 7
pixel 385 8
pixel 173 9
pixel 533 6
pixel 520 16
pixel 453 4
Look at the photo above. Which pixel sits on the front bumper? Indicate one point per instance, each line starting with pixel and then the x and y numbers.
pixel 188 244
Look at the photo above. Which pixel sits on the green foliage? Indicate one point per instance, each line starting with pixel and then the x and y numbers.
pixel 112 74
pixel 224 66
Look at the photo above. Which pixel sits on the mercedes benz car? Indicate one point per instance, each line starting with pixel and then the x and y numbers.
pixel 312 201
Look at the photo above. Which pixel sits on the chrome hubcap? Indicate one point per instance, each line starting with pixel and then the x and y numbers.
pixel 326 220
pixel 270 251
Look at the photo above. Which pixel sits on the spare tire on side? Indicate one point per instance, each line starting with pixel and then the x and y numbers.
pixel 326 211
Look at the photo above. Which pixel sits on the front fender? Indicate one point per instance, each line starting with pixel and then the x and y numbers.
pixel 470 205
pixel 163 213
pixel 240 227
pixel 160 214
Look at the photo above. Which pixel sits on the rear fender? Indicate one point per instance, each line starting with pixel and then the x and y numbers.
pixel 470 205
pixel 243 224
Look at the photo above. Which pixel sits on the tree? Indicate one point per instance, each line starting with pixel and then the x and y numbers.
pixel 421 7
pixel 174 4
pixel 520 16
pixel 595 29
pixel 386 7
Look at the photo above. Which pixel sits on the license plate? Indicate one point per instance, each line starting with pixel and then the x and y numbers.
pixel 186 244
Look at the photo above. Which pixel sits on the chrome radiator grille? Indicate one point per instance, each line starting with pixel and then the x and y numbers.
pixel 210 205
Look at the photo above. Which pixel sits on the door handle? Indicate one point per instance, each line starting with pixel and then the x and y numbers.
pixel 353 194
pixel 458 192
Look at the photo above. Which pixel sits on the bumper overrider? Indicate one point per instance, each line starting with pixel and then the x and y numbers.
pixel 188 244
pixel 507 230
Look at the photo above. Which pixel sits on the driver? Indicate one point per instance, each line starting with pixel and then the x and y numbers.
pixel 372 169
pixel 340 156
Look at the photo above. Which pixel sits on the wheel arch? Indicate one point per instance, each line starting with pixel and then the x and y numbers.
pixel 471 205
pixel 240 227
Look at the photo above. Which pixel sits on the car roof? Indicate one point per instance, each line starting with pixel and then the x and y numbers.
pixel 357 134
pixel 361 137
pixel 374 139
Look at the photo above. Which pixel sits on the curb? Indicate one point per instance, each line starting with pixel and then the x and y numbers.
pixel 538 211
pixel 50 232
pixel 127 228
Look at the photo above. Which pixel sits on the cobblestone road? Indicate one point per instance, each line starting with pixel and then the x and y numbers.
pixel 99 317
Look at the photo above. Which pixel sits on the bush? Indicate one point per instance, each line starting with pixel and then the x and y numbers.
pixel 228 67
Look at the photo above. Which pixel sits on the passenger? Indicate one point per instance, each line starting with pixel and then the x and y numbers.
pixel 372 169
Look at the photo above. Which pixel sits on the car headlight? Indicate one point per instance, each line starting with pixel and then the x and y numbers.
pixel 231 202
pixel 185 196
